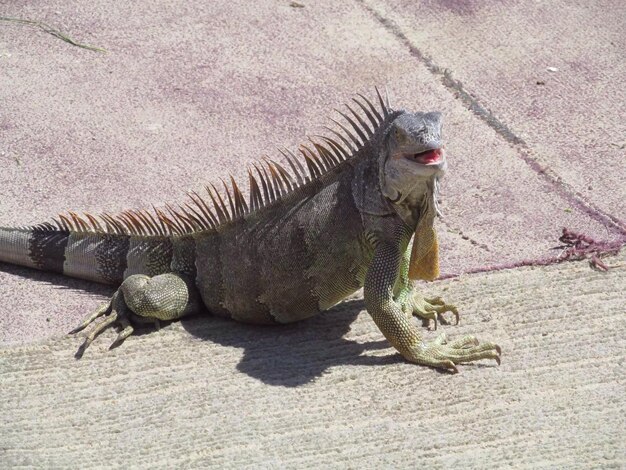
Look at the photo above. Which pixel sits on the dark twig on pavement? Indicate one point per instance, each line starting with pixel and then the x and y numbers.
pixel 54 32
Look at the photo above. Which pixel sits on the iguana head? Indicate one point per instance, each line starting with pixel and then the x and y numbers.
pixel 414 157
pixel 409 173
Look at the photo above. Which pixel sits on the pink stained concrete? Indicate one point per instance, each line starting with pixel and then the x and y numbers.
pixel 573 118
pixel 188 93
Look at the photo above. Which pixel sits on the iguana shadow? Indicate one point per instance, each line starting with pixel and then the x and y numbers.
pixel 295 354
pixel 282 355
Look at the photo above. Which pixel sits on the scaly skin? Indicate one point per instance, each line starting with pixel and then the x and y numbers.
pixel 413 303
pixel 301 245
pixel 390 312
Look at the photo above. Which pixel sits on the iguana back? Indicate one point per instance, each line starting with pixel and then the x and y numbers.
pixel 295 248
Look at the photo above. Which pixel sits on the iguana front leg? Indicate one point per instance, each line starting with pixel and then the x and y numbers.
pixel 414 303
pixel 142 299
pixel 399 328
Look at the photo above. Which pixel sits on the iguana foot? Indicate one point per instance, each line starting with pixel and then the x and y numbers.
pixel 143 300
pixel 430 309
pixel 115 311
pixel 446 355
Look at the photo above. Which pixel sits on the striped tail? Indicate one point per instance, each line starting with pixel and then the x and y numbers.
pixel 106 258
pixel 33 248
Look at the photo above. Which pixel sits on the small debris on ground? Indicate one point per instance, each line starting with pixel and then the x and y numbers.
pixel 578 246
pixel 552 69
pixel 54 32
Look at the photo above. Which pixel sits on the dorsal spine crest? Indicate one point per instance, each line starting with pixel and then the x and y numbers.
pixel 197 214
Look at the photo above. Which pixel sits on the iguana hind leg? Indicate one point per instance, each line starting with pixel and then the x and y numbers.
pixel 141 299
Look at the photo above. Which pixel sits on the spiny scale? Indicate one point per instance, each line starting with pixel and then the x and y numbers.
pixel 275 182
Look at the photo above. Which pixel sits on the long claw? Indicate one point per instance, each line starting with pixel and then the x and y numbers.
pixel 125 333
pixel 100 328
pixel 451 366
pixel 472 354
pixel 455 311
pixel 127 330
pixel 441 309
pixel 432 309
pixel 102 310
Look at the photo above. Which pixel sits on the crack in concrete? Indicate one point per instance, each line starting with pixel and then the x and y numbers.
pixel 484 114
pixel 460 233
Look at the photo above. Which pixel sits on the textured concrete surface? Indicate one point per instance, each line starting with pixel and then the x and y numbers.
pixel 327 393
pixel 189 92
pixel 552 72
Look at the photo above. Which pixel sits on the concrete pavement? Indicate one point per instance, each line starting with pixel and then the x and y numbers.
pixel 328 393
pixel 190 92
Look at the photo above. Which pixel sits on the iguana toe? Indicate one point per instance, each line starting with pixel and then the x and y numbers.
pixel 432 309
pixel 446 355
pixel 115 311
pixel 127 330
pixel 102 310
pixel 441 307
pixel 465 341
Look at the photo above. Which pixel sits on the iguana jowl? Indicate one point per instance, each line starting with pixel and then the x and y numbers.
pixel 306 239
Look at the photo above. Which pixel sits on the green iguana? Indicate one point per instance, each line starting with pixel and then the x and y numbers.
pixel 306 239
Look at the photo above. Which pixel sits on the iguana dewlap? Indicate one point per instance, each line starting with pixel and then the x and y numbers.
pixel 341 218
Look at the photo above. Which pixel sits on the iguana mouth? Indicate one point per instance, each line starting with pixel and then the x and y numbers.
pixel 428 157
